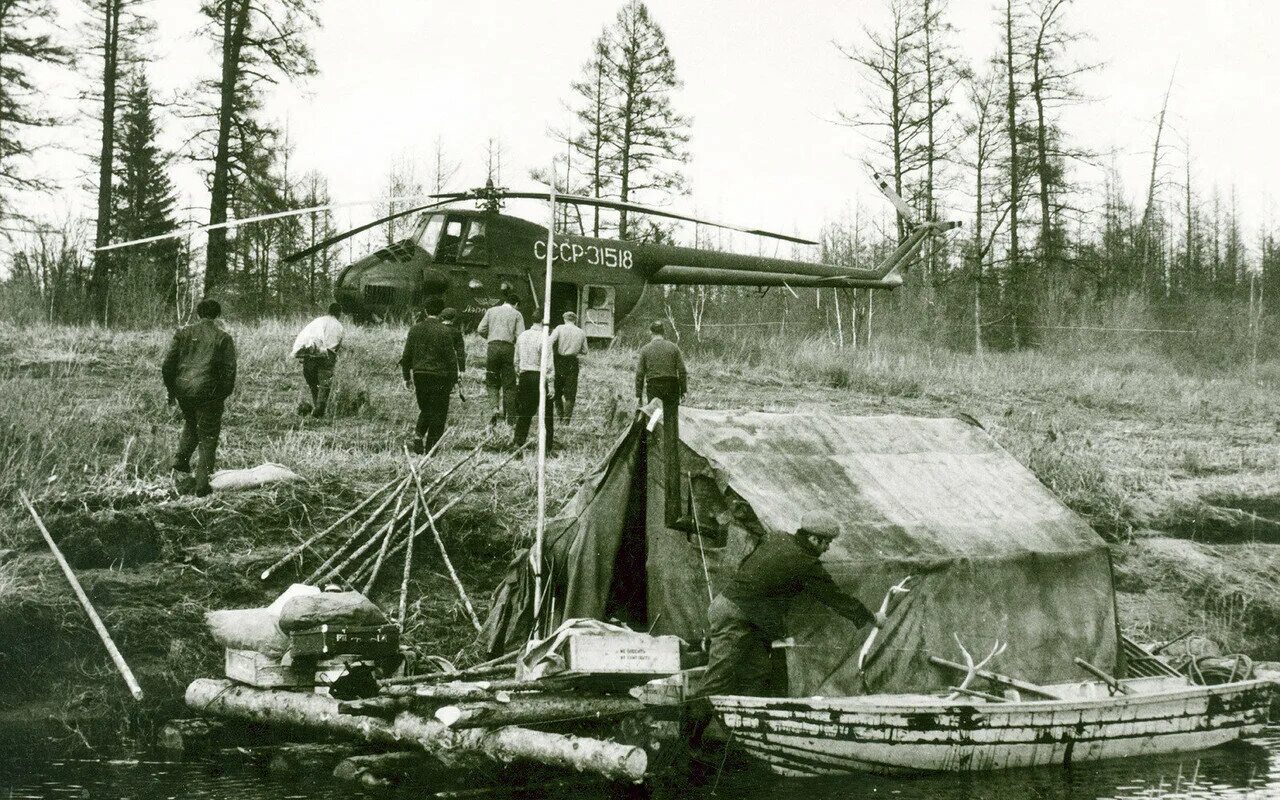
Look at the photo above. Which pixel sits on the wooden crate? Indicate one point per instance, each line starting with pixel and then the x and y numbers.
pixel 379 641
pixel 269 672
pixel 623 654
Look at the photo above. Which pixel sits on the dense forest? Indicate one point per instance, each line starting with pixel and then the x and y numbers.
pixel 1048 250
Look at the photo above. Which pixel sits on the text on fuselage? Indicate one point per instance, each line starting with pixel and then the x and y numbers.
pixel 594 255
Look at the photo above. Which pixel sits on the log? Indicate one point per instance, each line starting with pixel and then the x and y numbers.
pixel 190 735
pixel 610 760
pixel 535 708
pixel 995 677
pixel 294 758
pixel 444 693
pixel 395 699
pixel 386 768
pixel 468 674
pixel 224 698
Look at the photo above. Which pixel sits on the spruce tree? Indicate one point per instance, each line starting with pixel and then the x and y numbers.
pixel 144 196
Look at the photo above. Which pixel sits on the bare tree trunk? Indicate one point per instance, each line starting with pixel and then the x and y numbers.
pixel 1144 229
pixel 235 19
pixel 110 69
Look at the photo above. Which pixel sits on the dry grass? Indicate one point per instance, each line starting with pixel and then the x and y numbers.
pixel 1125 439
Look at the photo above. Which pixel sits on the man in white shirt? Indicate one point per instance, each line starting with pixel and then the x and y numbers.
pixel 529 365
pixel 317 347
pixel 571 342
pixel 500 326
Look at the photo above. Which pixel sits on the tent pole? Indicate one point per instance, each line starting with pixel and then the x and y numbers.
pixel 540 529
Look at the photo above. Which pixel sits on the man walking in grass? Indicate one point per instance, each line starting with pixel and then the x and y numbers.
pixel 500 326
pixel 317 347
pixel 199 373
pixel 429 365
pixel 571 343
pixel 529 364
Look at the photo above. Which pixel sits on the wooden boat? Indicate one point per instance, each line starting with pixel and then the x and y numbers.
pixel 900 733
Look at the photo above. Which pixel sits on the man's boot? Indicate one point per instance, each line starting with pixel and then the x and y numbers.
pixel 204 467
pixel 322 401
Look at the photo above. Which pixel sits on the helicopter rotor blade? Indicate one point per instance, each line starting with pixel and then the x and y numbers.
pixel 235 223
pixel 618 205
pixel 332 240
pixel 908 213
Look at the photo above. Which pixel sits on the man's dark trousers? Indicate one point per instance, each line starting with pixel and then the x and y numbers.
pixel 668 391
pixel 317 371
pixel 528 403
pixel 202 425
pixel 566 385
pixel 739 653
pixel 500 377
pixel 433 391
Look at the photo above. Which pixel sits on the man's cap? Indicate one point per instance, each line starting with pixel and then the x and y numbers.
pixel 569 316
pixel 449 314
pixel 820 524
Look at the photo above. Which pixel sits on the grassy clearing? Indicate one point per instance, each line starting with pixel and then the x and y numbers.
pixel 1126 439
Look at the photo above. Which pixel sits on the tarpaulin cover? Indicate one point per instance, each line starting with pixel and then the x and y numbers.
pixel 996 556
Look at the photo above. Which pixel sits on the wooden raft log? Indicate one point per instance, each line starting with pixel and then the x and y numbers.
pixel 609 760
pixel 537 708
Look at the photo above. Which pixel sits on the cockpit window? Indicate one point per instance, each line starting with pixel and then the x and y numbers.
pixel 448 249
pixel 475 248
pixel 431 232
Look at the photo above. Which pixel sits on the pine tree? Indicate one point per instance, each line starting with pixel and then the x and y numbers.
pixel 143 196
pixel 26 42
pixel 649 137
pixel 258 42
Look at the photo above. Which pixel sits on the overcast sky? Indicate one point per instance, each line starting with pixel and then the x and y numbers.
pixel 762 81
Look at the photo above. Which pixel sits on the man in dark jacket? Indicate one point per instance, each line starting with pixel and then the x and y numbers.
pixel 748 614
pixel 429 365
pixel 200 373
pixel 660 373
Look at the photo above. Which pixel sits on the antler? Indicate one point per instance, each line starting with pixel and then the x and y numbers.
pixel 898 588
pixel 996 649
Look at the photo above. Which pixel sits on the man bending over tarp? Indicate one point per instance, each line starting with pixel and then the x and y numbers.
pixel 747 615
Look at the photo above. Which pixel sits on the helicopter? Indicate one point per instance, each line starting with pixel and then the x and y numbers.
pixel 473 258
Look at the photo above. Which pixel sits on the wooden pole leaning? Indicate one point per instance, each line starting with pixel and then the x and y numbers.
pixel 107 642
pixel 386 542
pixel 344 518
pixel 408 553
pixel 424 527
pixel 355 536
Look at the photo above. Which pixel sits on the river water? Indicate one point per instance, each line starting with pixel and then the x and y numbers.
pixel 1232 772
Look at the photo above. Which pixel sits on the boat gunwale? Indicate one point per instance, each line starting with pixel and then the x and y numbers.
pixel 872 704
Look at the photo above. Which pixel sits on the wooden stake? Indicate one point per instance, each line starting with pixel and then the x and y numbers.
pixel 386 542
pixel 408 553
pixel 453 574
pixel 395 549
pixel 307 544
pixel 354 537
pixel 107 642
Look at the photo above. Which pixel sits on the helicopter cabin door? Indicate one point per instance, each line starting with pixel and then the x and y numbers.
pixel 597 311
pixel 564 297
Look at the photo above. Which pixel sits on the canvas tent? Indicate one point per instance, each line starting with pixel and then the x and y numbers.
pixel 996 556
